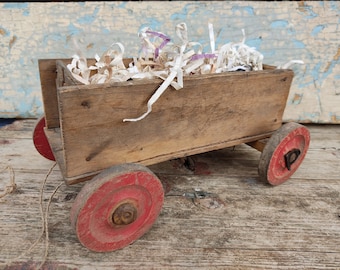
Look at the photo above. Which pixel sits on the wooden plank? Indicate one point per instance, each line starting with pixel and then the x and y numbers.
pixel 255 226
pixel 55 141
pixel 281 30
pixel 209 113
pixel 48 80
pixel 124 99
pixel 47 71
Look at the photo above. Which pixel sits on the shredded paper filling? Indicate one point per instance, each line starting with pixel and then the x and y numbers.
pixel 160 58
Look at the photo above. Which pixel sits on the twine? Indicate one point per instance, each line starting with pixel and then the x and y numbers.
pixel 12 185
pixel 44 220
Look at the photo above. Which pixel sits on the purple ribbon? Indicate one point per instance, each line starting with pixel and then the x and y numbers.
pixel 203 55
pixel 165 38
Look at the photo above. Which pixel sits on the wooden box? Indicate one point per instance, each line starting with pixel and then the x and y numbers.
pixel 85 129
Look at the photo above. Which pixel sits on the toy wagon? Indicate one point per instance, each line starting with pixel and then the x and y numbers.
pixel 82 130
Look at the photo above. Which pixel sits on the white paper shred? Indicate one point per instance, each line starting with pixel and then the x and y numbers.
pixel 290 63
pixel 160 58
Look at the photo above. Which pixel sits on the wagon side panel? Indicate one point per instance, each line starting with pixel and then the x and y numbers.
pixel 209 113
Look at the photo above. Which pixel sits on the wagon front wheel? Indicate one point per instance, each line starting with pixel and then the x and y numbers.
pixel 117 207
pixel 284 153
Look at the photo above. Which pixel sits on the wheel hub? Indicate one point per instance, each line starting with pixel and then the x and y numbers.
pixel 291 157
pixel 124 214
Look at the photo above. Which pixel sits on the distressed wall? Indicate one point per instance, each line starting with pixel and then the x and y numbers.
pixel 282 31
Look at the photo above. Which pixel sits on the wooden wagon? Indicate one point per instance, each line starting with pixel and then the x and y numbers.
pixel 82 130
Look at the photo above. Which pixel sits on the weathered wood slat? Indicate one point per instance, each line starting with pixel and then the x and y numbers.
pixel 248 225
pixel 48 72
pixel 211 112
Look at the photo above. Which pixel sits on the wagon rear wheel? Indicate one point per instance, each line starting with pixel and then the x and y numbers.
pixel 284 153
pixel 117 207
pixel 40 140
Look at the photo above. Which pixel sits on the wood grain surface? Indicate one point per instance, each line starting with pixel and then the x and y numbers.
pixel 280 30
pixel 211 112
pixel 241 223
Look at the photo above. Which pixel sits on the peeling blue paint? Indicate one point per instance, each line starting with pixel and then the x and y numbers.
pixel 56 37
pixel 26 13
pixel 334 5
pixel 16 5
pixel 5 32
pixel 255 42
pixel 329 70
pixel 247 9
pixel 25 106
pixel 315 72
pixel 179 16
pixel 21 61
pixel 283 30
pixel 268 53
pixel 188 10
pixel 53 36
pixel 21 6
pixel 123 4
pixel 311 115
pixel 311 14
pixel 297 99
pixel 105 31
pixel 298 44
pixel 218 38
pixel 152 23
pixel 88 19
pixel 317 29
pixel 291 31
pixel 319 75
pixel 73 30
pixel 279 24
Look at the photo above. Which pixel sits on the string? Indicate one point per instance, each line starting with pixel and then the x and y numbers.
pixel 12 185
pixel 47 242
pixel 44 221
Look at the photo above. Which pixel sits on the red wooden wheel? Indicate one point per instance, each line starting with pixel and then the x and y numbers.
pixel 40 140
pixel 283 153
pixel 117 207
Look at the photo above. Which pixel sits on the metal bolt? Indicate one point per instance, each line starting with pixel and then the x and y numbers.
pixel 125 214
pixel 291 157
